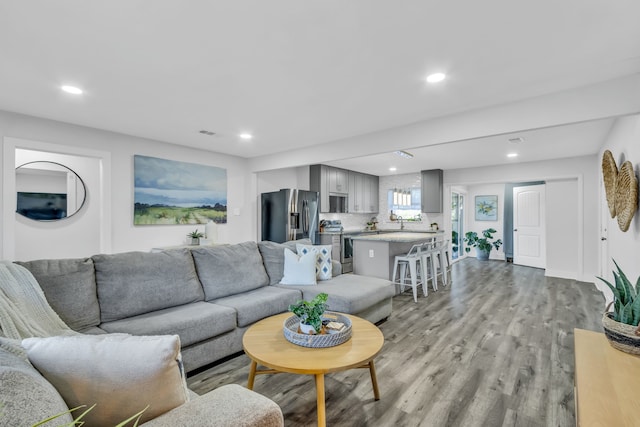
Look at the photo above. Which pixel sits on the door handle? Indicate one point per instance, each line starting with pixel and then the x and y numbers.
pixel 603 238
pixel 515 229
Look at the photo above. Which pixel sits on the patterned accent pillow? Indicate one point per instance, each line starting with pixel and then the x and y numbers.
pixel 323 259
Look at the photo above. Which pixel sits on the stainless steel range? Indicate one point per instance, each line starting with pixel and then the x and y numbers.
pixel 342 246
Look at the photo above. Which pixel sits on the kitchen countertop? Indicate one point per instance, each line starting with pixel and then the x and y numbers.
pixel 399 237
pixel 380 231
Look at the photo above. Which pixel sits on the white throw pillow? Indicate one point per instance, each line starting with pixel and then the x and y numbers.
pixel 299 270
pixel 120 373
pixel 323 259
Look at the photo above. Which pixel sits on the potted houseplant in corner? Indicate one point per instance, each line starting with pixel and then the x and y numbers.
pixel 310 313
pixel 621 325
pixel 195 237
pixel 482 244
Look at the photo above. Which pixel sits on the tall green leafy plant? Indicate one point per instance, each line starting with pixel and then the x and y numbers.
pixel 626 300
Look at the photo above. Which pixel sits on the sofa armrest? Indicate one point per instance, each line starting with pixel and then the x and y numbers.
pixel 336 268
pixel 229 405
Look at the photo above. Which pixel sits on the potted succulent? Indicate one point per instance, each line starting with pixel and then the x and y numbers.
pixel 621 325
pixel 195 236
pixel 482 244
pixel 310 313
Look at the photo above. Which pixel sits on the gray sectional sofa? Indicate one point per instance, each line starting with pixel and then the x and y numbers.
pixel 208 296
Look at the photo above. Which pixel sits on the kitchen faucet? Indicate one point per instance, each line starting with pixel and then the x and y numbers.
pixel 399 218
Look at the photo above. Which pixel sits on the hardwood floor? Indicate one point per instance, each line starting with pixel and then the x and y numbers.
pixel 494 348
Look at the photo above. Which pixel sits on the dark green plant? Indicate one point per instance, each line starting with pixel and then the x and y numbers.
pixel 482 243
pixel 195 234
pixel 626 307
pixel 310 312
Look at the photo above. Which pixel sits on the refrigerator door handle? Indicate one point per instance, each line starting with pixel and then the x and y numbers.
pixel 305 217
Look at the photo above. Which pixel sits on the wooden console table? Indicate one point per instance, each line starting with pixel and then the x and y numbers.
pixel 607 385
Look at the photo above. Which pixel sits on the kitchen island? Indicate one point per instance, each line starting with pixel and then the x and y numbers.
pixel 374 254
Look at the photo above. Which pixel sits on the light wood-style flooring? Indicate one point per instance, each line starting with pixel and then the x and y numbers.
pixel 494 348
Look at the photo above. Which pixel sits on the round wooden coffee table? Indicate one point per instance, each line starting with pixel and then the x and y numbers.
pixel 265 344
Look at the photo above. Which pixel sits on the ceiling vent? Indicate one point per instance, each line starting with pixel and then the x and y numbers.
pixel 516 140
pixel 207 132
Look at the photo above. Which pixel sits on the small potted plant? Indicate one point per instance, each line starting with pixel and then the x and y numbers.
pixel 621 325
pixel 482 244
pixel 195 236
pixel 310 313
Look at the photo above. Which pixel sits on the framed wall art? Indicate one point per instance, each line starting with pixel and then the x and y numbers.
pixel 486 208
pixel 167 192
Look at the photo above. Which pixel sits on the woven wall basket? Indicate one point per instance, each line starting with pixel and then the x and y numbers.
pixel 610 175
pixel 620 335
pixel 626 202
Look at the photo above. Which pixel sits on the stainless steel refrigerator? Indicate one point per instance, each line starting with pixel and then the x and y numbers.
pixel 290 214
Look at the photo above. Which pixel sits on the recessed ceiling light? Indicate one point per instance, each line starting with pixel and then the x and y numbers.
pixel 72 89
pixel 404 154
pixel 512 155
pixel 436 77
pixel 245 136
pixel 392 169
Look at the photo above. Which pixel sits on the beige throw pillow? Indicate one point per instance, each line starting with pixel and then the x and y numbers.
pixel 120 373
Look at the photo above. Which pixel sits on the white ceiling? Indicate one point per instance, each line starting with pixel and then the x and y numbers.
pixel 302 73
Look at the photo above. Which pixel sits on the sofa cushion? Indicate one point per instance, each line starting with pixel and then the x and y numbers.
pixel 299 270
pixel 26 397
pixel 139 282
pixel 349 293
pixel 121 374
pixel 70 288
pixel 260 303
pixel 193 322
pixel 273 257
pixel 323 259
pixel 229 269
pixel 229 405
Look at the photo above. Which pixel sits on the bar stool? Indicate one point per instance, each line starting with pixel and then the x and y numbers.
pixel 428 254
pixel 445 263
pixel 440 251
pixel 413 259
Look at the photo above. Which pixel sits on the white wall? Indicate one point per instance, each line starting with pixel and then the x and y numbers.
pixel 583 170
pixel 562 227
pixel 479 226
pixel 125 236
pixel 624 247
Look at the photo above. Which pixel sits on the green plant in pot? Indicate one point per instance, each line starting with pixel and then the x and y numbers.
pixel 482 244
pixel 621 325
pixel 195 237
pixel 310 313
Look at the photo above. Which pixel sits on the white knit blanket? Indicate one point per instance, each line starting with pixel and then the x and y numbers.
pixel 24 310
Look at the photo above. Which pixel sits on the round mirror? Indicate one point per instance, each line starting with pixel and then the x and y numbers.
pixel 48 191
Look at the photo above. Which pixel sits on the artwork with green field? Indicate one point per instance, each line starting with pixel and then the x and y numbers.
pixel 171 192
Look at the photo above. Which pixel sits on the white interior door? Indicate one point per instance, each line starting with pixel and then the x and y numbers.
pixel 529 243
pixel 603 269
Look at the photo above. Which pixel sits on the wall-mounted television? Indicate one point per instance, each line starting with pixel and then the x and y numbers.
pixel 42 206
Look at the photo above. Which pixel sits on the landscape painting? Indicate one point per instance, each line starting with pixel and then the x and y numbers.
pixel 170 192
pixel 486 208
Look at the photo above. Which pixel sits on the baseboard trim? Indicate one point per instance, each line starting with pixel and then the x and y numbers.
pixel 561 274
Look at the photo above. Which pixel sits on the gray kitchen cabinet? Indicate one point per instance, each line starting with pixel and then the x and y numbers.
pixel 338 180
pixel 328 181
pixel 319 181
pixel 432 191
pixel 363 193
